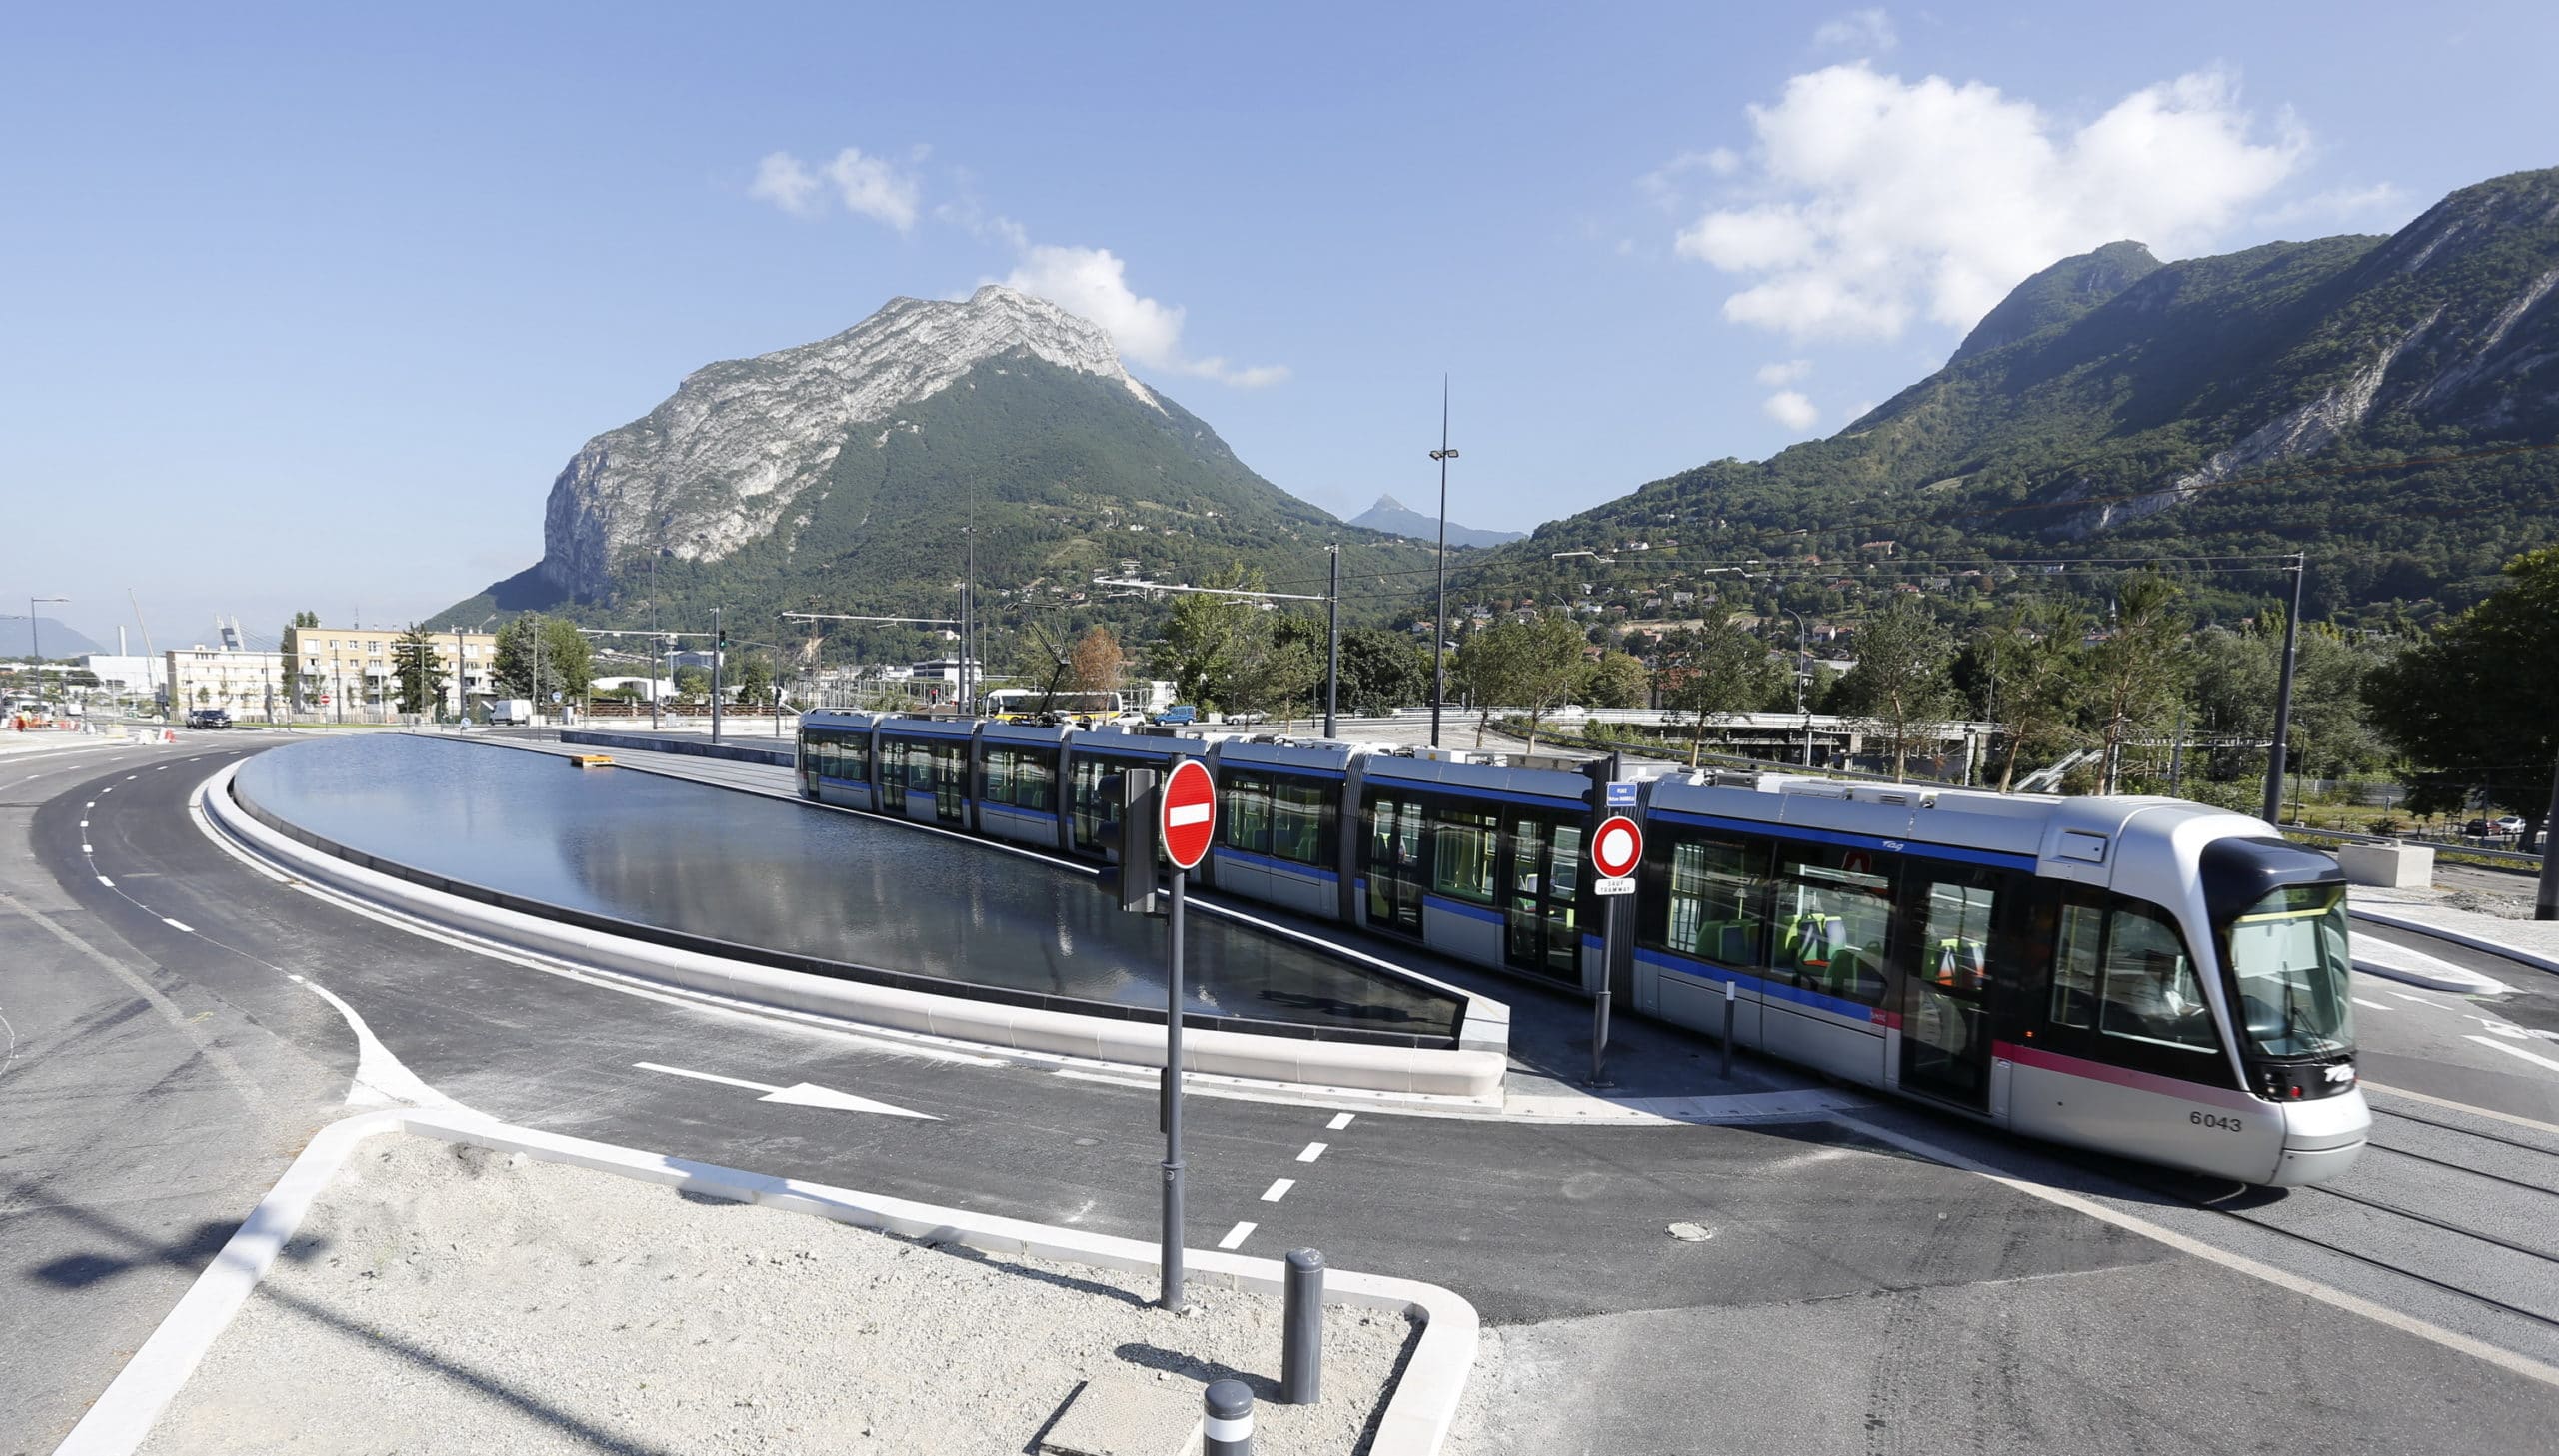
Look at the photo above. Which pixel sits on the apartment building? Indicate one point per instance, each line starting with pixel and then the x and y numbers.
pixel 241 682
pixel 338 668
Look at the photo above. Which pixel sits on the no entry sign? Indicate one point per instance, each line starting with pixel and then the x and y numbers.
pixel 1188 813
pixel 1616 851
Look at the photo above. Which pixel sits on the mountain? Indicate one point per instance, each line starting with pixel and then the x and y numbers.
pixel 841 476
pixel 57 640
pixel 2387 405
pixel 1396 518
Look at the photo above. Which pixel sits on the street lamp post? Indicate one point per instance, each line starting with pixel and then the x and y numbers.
pixel 1332 649
pixel 2283 693
pixel 35 644
pixel 1803 657
pixel 1440 624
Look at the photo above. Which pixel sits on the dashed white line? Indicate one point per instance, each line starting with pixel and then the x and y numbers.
pixel 177 924
pixel 84 824
pixel 1278 1190
pixel 1339 1122
pixel 1313 1151
pixel 162 769
pixel 86 850
pixel 2373 1006
pixel 109 883
pixel 2496 1045
pixel 93 803
pixel 2421 1000
pixel 110 788
pixel 1236 1235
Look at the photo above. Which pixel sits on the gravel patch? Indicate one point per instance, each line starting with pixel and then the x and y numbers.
pixel 444 1299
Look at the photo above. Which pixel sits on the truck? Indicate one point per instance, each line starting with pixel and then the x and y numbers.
pixel 517 710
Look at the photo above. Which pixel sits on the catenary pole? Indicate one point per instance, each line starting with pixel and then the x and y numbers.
pixel 2283 693
pixel 717 644
pixel 2545 904
pixel 1332 651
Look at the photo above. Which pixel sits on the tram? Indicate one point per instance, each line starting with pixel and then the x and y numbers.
pixel 2142 977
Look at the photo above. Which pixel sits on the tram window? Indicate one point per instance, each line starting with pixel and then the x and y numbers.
pixel 2152 992
pixel 1832 913
pixel 1954 933
pixel 1463 847
pixel 1034 780
pixel 1392 858
pixel 1243 815
pixel 1716 898
pixel 1299 815
pixel 2074 967
pixel 999 775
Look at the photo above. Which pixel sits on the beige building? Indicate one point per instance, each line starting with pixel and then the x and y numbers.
pixel 346 670
pixel 241 682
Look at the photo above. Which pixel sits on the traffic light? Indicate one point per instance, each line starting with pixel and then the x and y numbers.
pixel 1128 834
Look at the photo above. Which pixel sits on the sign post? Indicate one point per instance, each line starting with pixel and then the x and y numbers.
pixel 1617 850
pixel 1188 809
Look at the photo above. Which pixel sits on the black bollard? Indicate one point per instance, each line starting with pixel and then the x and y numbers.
pixel 1301 1326
pixel 1227 1431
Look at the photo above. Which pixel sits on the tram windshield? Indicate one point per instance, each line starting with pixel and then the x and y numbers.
pixel 2288 959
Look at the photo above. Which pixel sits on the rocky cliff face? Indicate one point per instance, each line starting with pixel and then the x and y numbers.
pixel 724 461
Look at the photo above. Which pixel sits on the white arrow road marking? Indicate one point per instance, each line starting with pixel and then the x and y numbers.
pixel 802 1094
pixel 2495 1045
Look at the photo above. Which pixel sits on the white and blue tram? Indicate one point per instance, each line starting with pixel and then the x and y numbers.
pixel 2144 977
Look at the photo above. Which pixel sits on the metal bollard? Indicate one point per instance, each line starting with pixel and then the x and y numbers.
pixel 1227 1431
pixel 1731 990
pixel 1301 1326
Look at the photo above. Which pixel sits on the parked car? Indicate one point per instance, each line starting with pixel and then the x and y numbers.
pixel 2507 825
pixel 208 718
pixel 1249 716
pixel 1179 713
pixel 2477 829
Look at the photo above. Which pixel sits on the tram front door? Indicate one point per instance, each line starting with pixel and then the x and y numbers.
pixel 1949 910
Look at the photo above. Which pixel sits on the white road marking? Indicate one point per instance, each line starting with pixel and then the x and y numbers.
pixel 110 788
pixel 177 924
pixel 1278 1190
pixel 1339 1122
pixel 129 777
pixel 1236 1235
pixel 109 883
pixel 2496 1355
pixel 803 1094
pixel 86 850
pixel 84 824
pixel 1188 813
pixel 93 803
pixel 2495 1045
pixel 2421 1000
pixel 1313 1151
pixel 2372 1005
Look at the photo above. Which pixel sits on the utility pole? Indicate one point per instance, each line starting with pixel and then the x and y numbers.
pixel 2545 904
pixel 1440 625
pixel 719 649
pixel 1332 650
pixel 2283 693
pixel 656 658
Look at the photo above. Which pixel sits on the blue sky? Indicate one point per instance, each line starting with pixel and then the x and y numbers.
pixel 306 307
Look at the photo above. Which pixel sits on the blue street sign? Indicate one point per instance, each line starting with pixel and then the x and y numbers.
pixel 1622 795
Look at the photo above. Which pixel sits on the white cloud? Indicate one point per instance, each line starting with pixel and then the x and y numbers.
pixel 867 186
pixel 781 181
pixel 874 188
pixel 1662 186
pixel 1867 32
pixel 1092 282
pixel 1790 408
pixel 1877 200
pixel 2380 202
pixel 1786 372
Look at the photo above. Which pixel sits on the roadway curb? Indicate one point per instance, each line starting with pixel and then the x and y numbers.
pixel 1420 1411
pixel 1460 1073
pixel 2516 954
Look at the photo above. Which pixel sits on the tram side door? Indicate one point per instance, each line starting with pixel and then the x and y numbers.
pixel 1947 916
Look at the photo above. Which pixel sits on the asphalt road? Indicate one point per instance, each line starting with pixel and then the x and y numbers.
pixel 1853 1296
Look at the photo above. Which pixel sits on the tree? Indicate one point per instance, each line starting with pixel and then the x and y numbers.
pixel 1534 665
pixel 1900 684
pixel 2139 672
pixel 1094 663
pixel 693 682
pixel 1207 637
pixel 1711 670
pixel 2033 665
pixel 1381 670
pixel 754 680
pixel 2476 704
pixel 538 655
pixel 417 669
pixel 1619 679
pixel 286 642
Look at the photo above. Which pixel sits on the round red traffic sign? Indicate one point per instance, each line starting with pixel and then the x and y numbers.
pixel 1618 849
pixel 1188 813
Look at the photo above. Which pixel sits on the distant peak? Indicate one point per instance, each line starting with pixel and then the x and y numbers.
pixel 2059 294
pixel 1390 502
